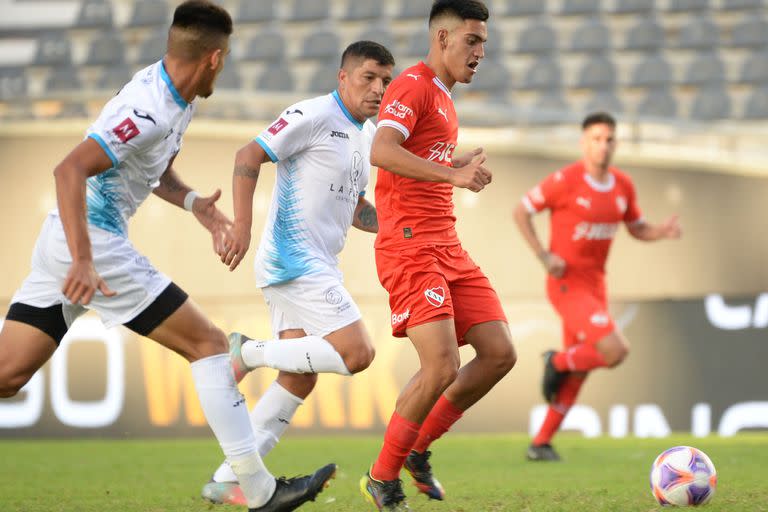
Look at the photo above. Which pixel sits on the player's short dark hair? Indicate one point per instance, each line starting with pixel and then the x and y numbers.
pixel 368 50
pixel 203 16
pixel 464 9
pixel 598 118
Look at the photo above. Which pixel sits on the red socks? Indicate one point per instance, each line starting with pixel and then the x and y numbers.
pixel 398 441
pixel 441 418
pixel 579 358
pixel 565 398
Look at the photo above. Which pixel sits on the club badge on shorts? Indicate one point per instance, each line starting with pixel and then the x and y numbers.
pixel 435 296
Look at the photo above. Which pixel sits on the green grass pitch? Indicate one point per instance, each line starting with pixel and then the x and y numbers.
pixel 481 473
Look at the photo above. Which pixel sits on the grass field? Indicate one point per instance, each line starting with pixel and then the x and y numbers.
pixel 480 473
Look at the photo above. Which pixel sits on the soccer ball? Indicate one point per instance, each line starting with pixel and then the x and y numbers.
pixel 683 476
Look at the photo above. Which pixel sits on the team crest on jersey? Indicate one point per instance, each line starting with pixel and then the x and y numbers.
pixel 621 204
pixel 435 296
pixel 126 130
pixel 277 126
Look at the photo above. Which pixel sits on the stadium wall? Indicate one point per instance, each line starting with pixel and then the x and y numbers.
pixel 695 361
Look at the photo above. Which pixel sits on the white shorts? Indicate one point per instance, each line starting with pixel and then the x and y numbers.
pixel 125 271
pixel 317 303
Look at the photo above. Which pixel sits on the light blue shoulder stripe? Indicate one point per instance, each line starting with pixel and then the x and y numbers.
pixel 272 156
pixel 346 111
pixel 110 154
pixel 181 102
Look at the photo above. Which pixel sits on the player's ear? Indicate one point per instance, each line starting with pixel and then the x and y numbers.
pixel 216 58
pixel 342 76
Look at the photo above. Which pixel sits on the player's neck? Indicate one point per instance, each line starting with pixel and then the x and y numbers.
pixel 598 173
pixel 346 101
pixel 439 70
pixel 183 76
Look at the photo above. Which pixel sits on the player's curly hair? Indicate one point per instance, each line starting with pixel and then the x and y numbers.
pixel 464 9
pixel 368 50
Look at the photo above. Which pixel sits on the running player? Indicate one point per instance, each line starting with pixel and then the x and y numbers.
pixel 439 297
pixel 83 258
pixel 322 150
pixel 588 200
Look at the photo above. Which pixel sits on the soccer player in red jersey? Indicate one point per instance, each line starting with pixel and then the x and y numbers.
pixel 588 200
pixel 439 297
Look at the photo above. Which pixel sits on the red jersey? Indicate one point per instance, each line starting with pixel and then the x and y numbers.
pixel 585 214
pixel 414 213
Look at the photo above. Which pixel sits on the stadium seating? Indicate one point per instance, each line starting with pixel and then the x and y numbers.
pixel 658 103
pixel 363 9
pixel 579 7
pixel 322 44
pixel 310 10
pixel 267 45
pixel 646 35
pixel 711 103
pixel 147 13
pixel 107 48
pixel 525 7
pixel 756 106
pixel 653 71
pixel 634 6
pixel 95 14
pixel 255 12
pixel 592 36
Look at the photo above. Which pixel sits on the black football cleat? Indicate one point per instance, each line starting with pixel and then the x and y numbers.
pixel 542 453
pixel 291 493
pixel 552 379
pixel 417 465
pixel 384 495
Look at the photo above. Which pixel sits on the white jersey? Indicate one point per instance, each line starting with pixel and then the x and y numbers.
pixel 323 165
pixel 141 130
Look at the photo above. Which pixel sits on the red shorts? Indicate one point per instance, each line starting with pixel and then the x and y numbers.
pixel 432 283
pixel 583 308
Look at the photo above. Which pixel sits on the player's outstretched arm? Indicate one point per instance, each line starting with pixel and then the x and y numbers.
pixel 364 217
pixel 86 160
pixel 248 162
pixel 669 229
pixel 554 264
pixel 387 152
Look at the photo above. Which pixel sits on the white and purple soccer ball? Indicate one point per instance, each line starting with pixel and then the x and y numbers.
pixel 683 476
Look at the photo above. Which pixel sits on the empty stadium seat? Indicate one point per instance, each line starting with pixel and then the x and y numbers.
pixel 526 7
pixel 148 13
pixel 579 7
pixel 230 78
pixel 323 44
pixel 734 5
pixel 94 14
pixel 153 48
pixel 591 36
pixel 657 103
pixel 752 32
pixel 325 78
pixel 363 9
pixel 598 72
pixel 108 48
pixel 604 101
pixel 653 71
pixel 64 78
pixel 756 105
pixel 310 10
pixel 538 37
pixel 494 46
pixel 544 74
pixel 276 78
pixel 755 69
pixel 493 77
pixel 114 77
pixel 53 49
pixel 255 12
pixel 13 83
pixel 634 6
pixel 700 33
pixel 266 45
pixel 418 44
pixel 706 68
pixel 711 103
pixel 647 35
pixel 379 33
pixel 414 9
pixel 688 5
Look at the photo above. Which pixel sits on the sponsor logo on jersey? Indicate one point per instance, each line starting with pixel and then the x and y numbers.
pixel 595 231
pixel 415 77
pixel 621 204
pixel 340 135
pixel 277 126
pixel 441 152
pixel 126 130
pixel 143 115
pixel 442 113
pixel 402 317
pixel 295 111
pixel 583 201
pixel 398 110
pixel 435 296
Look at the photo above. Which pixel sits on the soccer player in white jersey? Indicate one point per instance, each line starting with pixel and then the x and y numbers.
pixel 83 258
pixel 321 147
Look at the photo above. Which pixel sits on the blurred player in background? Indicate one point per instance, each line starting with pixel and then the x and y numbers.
pixel 439 297
pixel 588 200
pixel 322 150
pixel 83 258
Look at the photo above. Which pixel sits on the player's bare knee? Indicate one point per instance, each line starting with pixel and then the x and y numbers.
pixel 360 359
pixel 208 342
pixel 11 384
pixel 618 355
pixel 439 378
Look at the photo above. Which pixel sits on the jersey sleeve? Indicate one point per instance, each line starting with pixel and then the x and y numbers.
pixel 546 194
pixel 123 130
pixel 633 214
pixel 290 134
pixel 402 105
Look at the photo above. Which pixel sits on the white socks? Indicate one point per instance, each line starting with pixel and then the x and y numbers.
pixel 310 354
pixel 270 417
pixel 225 410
